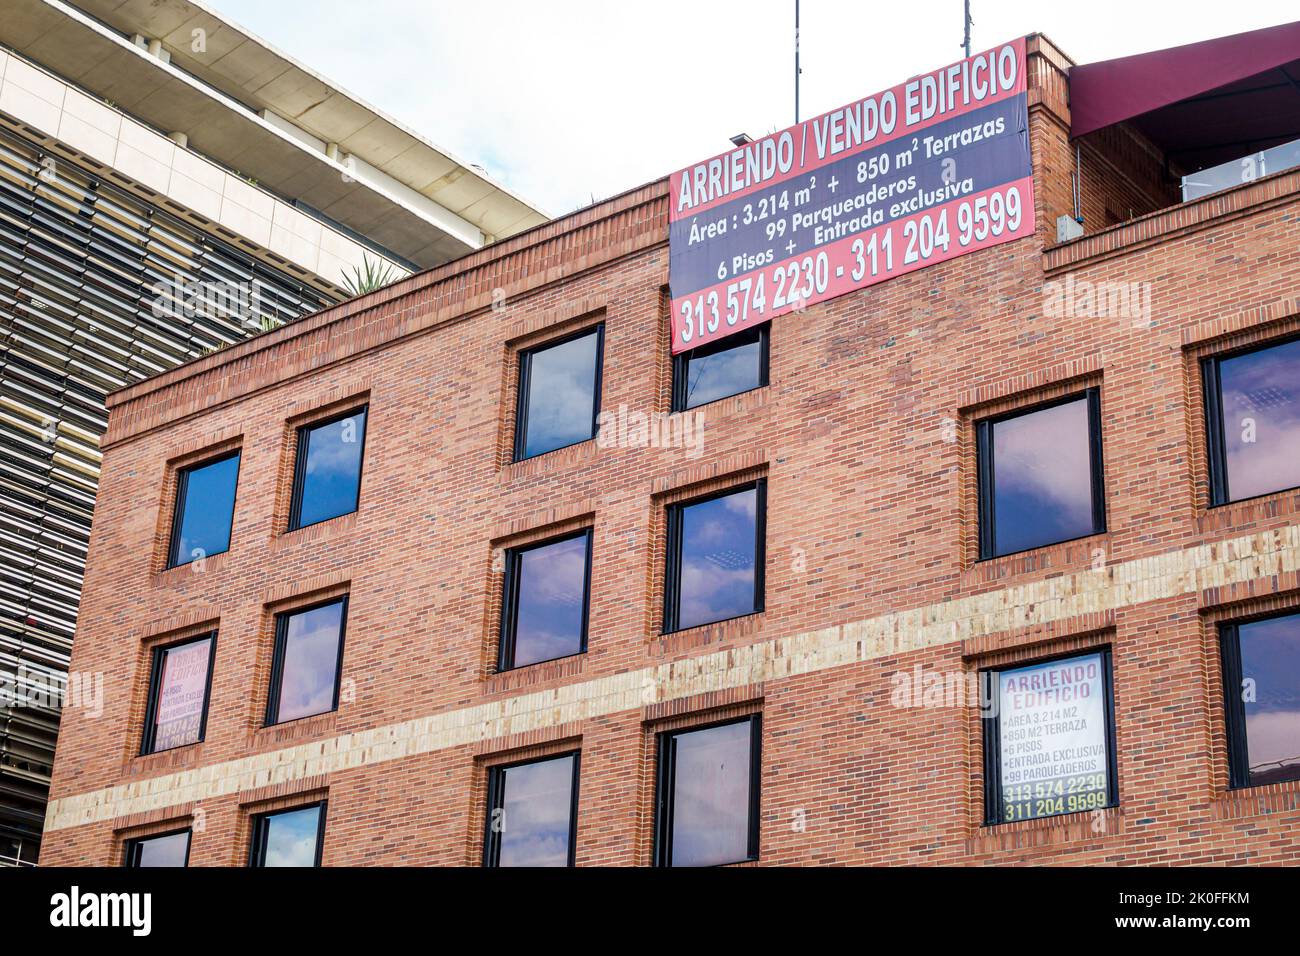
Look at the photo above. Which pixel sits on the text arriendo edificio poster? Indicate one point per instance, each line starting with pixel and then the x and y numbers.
pixel 183 690
pixel 1053 738
pixel 922 173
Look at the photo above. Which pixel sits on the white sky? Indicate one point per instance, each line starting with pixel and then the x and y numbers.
pixel 566 100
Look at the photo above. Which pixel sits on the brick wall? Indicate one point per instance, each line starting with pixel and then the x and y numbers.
pixel 864 436
pixel 1121 175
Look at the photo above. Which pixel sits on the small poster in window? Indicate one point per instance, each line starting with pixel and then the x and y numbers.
pixel 182 692
pixel 1053 737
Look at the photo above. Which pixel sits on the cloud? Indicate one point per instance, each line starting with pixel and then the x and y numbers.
pixel 292 839
pixel 713 593
pixel 310 663
pixel 538 802
pixel 1261 416
pixel 1044 456
pixel 562 103
pixel 1274 738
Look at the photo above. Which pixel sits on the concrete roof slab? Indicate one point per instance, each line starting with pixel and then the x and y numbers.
pixel 335 118
pixel 374 143
pixel 419 167
pixel 245 62
pixel 154 19
pixel 25 24
pixel 295 91
pixel 218 96
pixel 218 39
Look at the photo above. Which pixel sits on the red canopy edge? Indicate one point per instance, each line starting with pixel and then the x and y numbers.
pixel 1109 92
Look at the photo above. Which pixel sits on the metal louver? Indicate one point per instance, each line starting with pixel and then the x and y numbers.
pixel 80 265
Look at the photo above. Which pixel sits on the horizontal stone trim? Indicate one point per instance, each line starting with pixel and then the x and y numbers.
pixel 1240 560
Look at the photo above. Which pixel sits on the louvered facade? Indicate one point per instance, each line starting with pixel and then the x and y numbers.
pixel 97 290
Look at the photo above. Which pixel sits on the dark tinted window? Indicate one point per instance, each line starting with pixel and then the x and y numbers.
pixel 167 849
pixel 708 795
pixel 205 507
pixel 545 603
pixel 178 695
pixel 1040 477
pixel 559 394
pixel 531 813
pixel 327 476
pixel 1253 414
pixel 1264 699
pixel 736 364
pixel 715 558
pixel 289 837
pixel 305 671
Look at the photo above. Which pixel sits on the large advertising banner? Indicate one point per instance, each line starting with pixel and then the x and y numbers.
pixel 922 173
pixel 182 693
pixel 1053 738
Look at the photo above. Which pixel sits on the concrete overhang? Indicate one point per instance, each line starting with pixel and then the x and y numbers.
pixel 262 114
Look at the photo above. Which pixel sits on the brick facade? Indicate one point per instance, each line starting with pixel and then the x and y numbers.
pixel 865 437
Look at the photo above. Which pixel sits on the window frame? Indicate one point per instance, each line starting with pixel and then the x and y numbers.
pixel 149 732
pixel 520 444
pixel 275 684
pixel 1216 454
pixel 496 801
pixel 682 360
pixel 132 846
pixel 986 472
pixel 673 554
pixel 1234 708
pixel 261 831
pixel 665 779
pixel 301 448
pixel 508 631
pixel 178 506
pixel 990 734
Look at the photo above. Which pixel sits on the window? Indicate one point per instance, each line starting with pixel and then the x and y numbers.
pixel 1040 476
pixel 307 662
pixel 205 508
pixel 289 837
pixel 1049 739
pixel 1252 417
pixel 735 364
pixel 1261 679
pixel 559 393
pixel 165 849
pixel 179 685
pixel 327 472
pixel 715 557
pixel 707 794
pixel 544 609
pixel 532 813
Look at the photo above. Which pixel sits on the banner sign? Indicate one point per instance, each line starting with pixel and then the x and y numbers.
pixel 1053 738
pixel 924 172
pixel 183 691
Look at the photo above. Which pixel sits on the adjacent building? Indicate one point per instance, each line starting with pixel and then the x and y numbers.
pixel 996 562
pixel 169 186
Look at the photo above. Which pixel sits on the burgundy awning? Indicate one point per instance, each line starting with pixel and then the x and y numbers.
pixel 1204 102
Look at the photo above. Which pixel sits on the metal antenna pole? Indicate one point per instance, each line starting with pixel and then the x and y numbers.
pixel 966 42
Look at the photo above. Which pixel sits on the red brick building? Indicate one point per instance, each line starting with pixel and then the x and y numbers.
pixel 862 556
